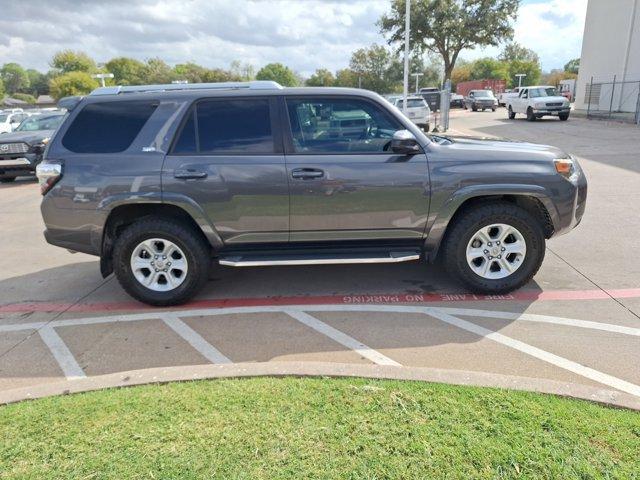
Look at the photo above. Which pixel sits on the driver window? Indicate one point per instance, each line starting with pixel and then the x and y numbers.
pixel 332 125
pixel 524 94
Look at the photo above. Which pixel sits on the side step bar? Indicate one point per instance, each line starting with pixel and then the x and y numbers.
pixel 258 260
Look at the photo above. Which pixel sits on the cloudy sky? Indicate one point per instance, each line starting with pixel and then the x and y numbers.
pixel 304 34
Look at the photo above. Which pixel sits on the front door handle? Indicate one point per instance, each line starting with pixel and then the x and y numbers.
pixel 307 173
pixel 189 174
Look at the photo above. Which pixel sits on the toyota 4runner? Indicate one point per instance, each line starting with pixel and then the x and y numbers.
pixel 162 181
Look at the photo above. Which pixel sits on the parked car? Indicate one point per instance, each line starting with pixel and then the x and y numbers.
pixel 417 110
pixel 159 180
pixel 513 93
pixel 480 100
pixel 537 102
pixel 456 100
pixel 9 121
pixel 22 150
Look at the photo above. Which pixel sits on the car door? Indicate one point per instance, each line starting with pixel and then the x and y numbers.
pixel 521 101
pixel 228 159
pixel 344 182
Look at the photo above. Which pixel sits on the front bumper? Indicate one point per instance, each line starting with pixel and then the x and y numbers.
pixel 16 165
pixel 552 111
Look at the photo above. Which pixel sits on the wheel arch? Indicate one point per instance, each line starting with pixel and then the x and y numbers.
pixel 534 202
pixel 125 214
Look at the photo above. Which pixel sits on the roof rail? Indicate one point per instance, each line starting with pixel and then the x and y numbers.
pixel 254 85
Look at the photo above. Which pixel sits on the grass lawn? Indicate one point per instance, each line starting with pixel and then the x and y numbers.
pixel 295 428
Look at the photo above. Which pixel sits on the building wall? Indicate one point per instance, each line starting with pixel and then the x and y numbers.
pixel 611 46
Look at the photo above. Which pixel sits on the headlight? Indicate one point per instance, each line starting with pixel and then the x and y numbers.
pixel 44 141
pixel 568 168
pixel 565 103
pixel 539 105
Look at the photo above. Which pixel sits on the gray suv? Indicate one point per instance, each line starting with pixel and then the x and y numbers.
pixel 163 181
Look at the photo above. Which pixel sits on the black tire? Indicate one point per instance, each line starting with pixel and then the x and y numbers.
pixel 8 179
pixel 493 109
pixel 469 222
pixel 195 249
pixel 564 117
pixel 530 115
pixel 426 128
pixel 474 108
pixel 512 114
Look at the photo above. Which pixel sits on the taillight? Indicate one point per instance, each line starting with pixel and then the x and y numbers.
pixel 48 175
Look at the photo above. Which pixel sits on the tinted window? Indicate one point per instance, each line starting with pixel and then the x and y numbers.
pixel 324 125
pixel 186 142
pixel 107 127
pixel 230 126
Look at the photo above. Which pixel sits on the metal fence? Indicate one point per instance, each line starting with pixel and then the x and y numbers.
pixel 614 100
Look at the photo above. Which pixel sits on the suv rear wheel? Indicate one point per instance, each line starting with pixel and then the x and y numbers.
pixel 494 248
pixel 160 261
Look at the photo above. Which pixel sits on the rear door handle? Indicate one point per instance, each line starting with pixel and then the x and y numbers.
pixel 189 174
pixel 307 173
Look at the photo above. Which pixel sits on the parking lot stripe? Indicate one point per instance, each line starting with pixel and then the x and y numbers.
pixel 194 339
pixel 61 353
pixel 527 317
pixel 342 338
pixel 538 353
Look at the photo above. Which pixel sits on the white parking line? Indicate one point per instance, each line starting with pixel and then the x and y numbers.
pixel 342 338
pixel 194 339
pixel 543 355
pixel 61 353
pixel 528 317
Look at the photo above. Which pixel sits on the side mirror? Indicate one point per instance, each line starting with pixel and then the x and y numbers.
pixel 403 142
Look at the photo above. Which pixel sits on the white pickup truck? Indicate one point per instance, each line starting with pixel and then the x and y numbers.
pixel 513 93
pixel 537 102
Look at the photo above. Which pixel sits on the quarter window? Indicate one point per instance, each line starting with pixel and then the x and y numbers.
pixel 235 126
pixel 329 125
pixel 107 127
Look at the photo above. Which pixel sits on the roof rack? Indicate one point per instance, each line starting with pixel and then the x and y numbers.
pixel 254 85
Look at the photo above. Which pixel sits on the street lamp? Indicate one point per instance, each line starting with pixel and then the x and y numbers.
pixel 520 75
pixel 417 79
pixel 102 76
pixel 405 89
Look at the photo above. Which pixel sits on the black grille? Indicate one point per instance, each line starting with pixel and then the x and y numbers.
pixel 20 147
pixel 554 104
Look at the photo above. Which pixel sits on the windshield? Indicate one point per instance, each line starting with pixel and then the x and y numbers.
pixel 32 124
pixel 542 92
pixel 483 93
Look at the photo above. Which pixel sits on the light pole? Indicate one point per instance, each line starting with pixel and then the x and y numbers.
pixel 102 76
pixel 417 79
pixel 406 55
pixel 520 75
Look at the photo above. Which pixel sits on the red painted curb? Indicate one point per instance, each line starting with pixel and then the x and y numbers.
pixel 523 295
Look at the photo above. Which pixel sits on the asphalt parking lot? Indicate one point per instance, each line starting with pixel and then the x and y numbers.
pixel 574 330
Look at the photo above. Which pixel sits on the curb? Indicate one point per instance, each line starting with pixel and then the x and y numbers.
pixel 606 397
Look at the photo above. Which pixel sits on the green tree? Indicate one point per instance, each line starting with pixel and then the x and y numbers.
pixel 15 78
pixel 1 89
pixel 156 71
pixel 126 71
pixel 72 83
pixel 38 82
pixel 242 71
pixel 278 73
pixel 67 61
pixel 25 97
pixel 514 51
pixel 446 27
pixel 461 73
pixel 489 68
pixel 321 78
pixel 375 68
pixel 346 78
pixel 572 66
pixel 530 69
pixel 191 72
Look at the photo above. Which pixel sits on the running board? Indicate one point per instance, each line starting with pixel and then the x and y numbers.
pixel 262 260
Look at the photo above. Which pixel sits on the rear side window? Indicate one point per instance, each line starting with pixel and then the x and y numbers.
pixel 107 127
pixel 230 126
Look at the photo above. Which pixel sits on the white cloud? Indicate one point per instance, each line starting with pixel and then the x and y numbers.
pixel 553 29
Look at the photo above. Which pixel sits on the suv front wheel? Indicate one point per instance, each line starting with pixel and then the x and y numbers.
pixel 161 261
pixel 494 248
